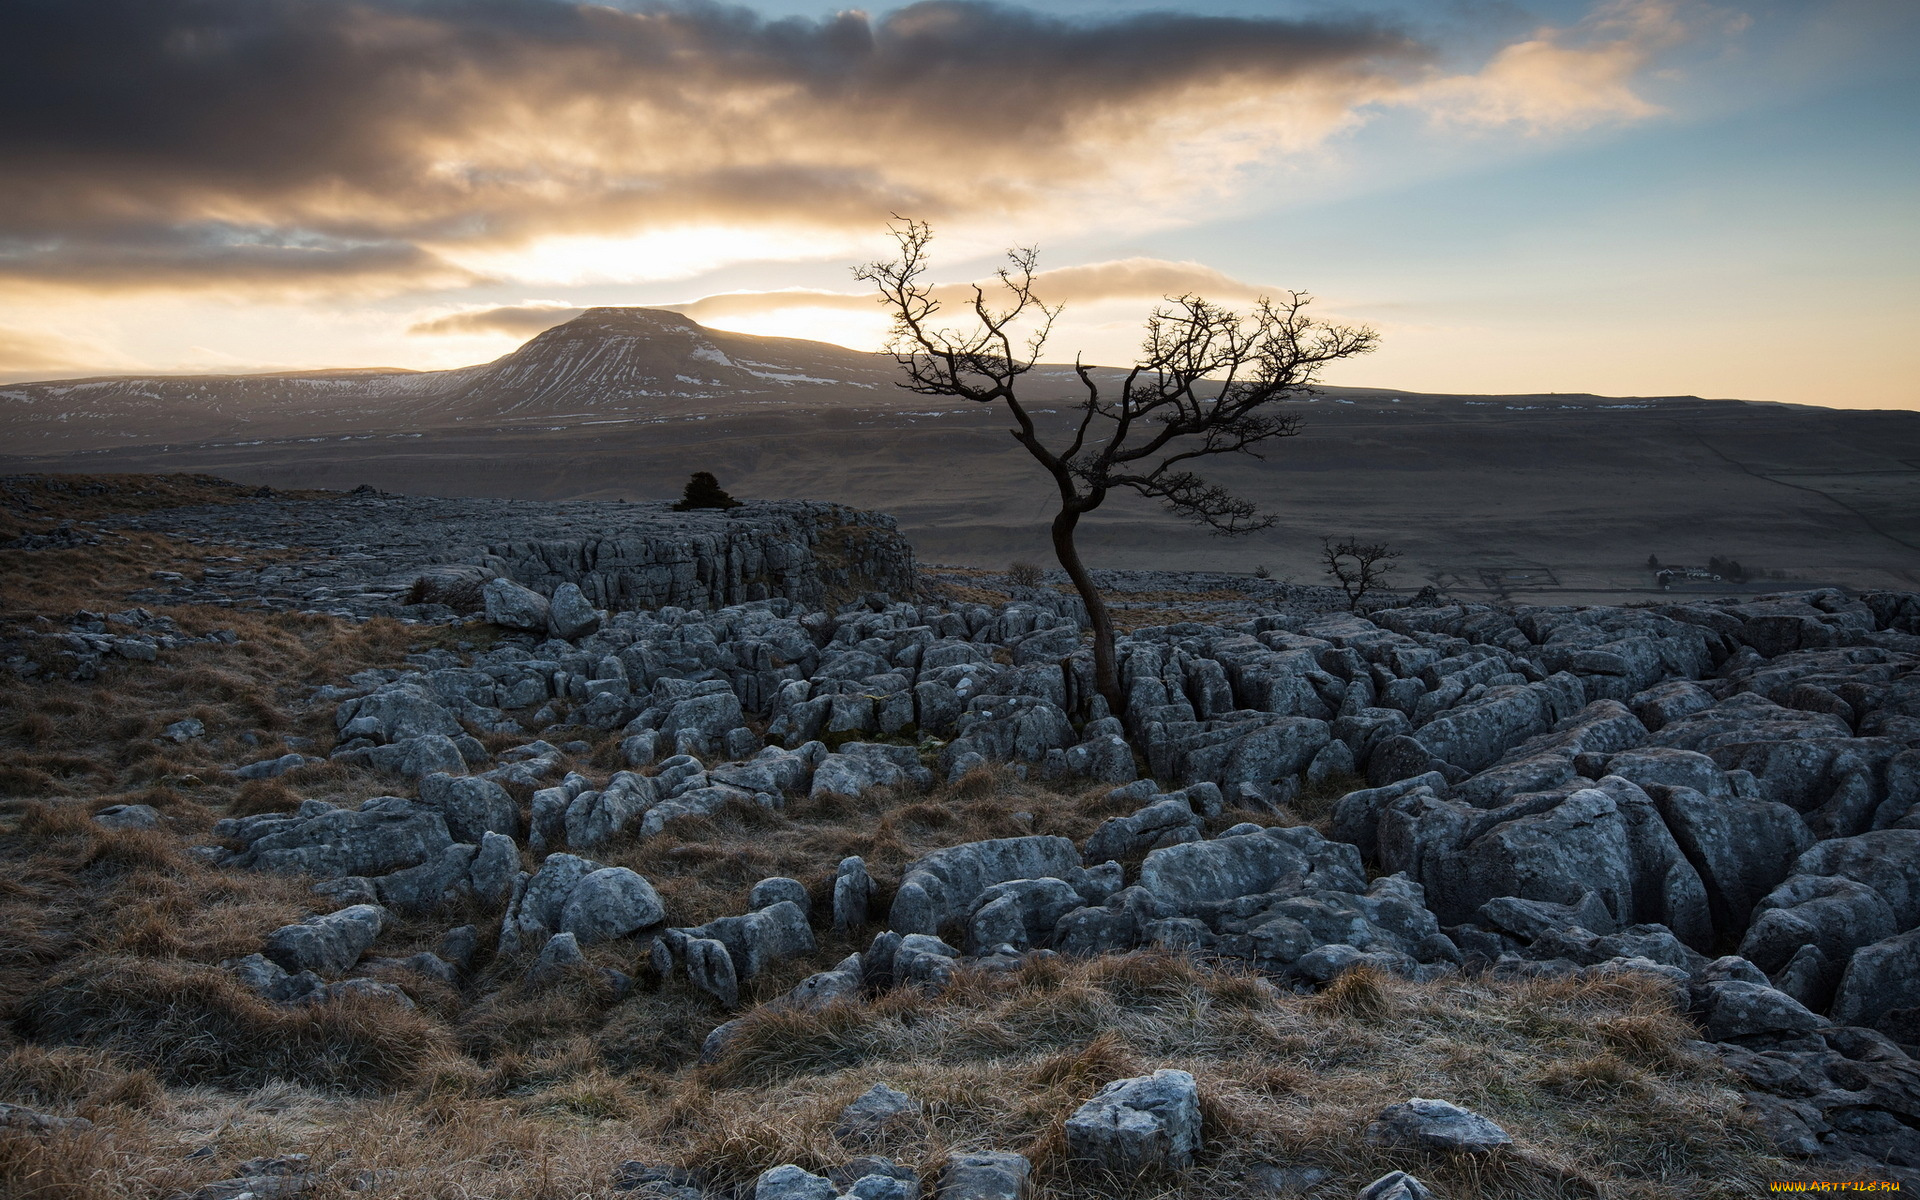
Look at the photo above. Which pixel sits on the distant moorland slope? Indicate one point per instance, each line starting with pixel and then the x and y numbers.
pixel 1538 497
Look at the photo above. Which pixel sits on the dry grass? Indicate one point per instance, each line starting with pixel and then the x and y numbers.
pixel 190 1023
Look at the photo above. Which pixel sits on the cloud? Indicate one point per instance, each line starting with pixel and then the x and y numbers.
pixel 1120 279
pixel 523 320
pixel 1559 79
pixel 311 141
pixel 358 144
pixel 217 254
pixel 26 355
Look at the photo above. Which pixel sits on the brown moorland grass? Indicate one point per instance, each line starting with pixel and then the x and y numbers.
pixel 542 1089
pixel 1000 1061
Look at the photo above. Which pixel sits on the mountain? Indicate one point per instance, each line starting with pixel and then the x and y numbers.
pixel 623 359
pixel 606 361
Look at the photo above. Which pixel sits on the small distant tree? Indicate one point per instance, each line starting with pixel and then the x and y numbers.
pixel 1023 574
pixel 1358 567
pixel 704 491
pixel 1653 562
pixel 1205 384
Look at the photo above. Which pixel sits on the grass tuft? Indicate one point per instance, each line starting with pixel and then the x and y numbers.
pixel 194 1024
pixel 1362 993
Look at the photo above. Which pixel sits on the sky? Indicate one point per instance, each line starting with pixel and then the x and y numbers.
pixel 1627 197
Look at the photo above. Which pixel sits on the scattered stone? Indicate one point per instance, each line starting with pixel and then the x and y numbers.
pixel 128 816
pixel 878 1110
pixel 327 944
pixel 1135 1125
pixel 1880 980
pixel 1395 1185
pixel 993 1175
pixel 1287 1181
pixel 1435 1125
pixel 657 1182
pixel 1736 1008
pixel 271 768
pixel 559 955
pixel 791 1183
pixel 853 892
pixel 26 1120
pixel 609 903
pixel 472 807
pixel 710 968
pixel 184 731
pixel 512 606
pixel 772 891
pixel 569 615
pixel 384 834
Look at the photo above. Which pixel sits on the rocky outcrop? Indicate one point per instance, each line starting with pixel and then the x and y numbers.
pixel 1563 791
pixel 366 552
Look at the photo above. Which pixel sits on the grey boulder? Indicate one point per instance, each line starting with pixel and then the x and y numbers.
pixel 1135 1125
pixel 1733 1008
pixel 1881 978
pixel 271 768
pixel 1020 913
pixel 993 1175
pixel 1836 915
pixel 944 885
pixel 569 615
pixel 460 871
pixel 514 607
pixel 853 892
pixel 757 940
pixel 473 807
pixel 710 968
pixel 128 816
pixel 1886 860
pixel 1395 1185
pixel 578 896
pixel 877 1110
pixel 609 903
pixel 327 944
pixel 395 713
pixel 789 1182
pixel 858 766
pixel 775 889
pixel 1167 822
pixel 560 955
pixel 1420 1124
pixel 1186 876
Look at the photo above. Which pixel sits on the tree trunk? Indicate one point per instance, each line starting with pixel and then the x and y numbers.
pixel 1106 671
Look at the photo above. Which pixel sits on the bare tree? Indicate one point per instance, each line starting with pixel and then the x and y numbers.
pixel 1359 567
pixel 1202 386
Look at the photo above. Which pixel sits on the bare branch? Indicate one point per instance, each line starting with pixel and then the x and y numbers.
pixel 1203 385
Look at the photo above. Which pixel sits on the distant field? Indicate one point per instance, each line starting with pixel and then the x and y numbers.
pixel 1541 498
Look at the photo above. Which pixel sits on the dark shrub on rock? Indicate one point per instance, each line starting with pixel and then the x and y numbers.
pixel 704 491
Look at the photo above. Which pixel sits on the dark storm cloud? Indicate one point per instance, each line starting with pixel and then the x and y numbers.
pixel 326 139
